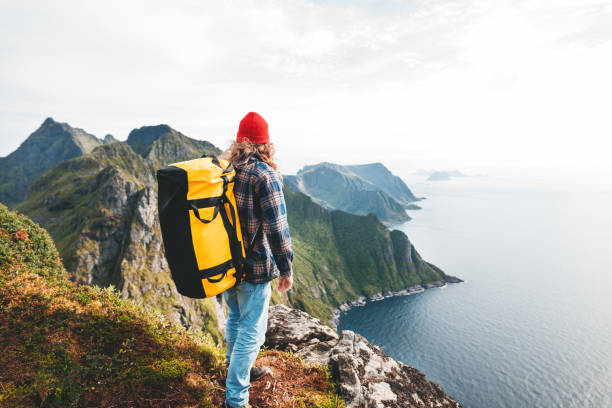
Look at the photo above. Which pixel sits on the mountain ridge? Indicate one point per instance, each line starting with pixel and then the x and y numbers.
pixel 357 189
pixel 52 143
pixel 378 174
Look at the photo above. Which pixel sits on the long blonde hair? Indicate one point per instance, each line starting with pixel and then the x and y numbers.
pixel 239 153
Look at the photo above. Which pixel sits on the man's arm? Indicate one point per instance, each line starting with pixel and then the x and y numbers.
pixel 269 189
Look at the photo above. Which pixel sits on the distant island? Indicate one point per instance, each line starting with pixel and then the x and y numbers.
pixel 440 176
pixel 443 175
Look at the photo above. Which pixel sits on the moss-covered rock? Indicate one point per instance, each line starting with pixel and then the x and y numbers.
pixel 23 244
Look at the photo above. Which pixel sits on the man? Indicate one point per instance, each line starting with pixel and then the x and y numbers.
pixel 263 220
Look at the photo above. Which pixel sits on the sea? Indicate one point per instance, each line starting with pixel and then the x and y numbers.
pixel 531 326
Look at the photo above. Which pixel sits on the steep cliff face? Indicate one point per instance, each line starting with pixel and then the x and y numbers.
pixel 367 377
pixel 341 257
pixel 50 144
pixel 86 204
pixel 101 209
pixel 145 276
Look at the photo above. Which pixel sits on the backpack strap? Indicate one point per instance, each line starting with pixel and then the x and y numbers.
pixel 249 252
pixel 235 246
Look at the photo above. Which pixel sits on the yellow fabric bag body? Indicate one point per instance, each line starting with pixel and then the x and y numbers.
pixel 200 226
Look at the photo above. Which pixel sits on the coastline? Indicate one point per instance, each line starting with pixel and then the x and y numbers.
pixel 364 300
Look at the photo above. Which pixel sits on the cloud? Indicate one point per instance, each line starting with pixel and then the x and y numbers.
pixel 468 83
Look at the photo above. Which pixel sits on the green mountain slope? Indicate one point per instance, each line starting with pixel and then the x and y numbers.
pixel 359 189
pixel 341 256
pixel 50 144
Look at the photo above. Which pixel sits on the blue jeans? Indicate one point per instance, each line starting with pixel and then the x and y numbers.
pixel 245 333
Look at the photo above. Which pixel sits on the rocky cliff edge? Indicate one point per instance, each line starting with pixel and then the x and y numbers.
pixel 367 377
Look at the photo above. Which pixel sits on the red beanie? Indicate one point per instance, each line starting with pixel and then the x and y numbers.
pixel 253 128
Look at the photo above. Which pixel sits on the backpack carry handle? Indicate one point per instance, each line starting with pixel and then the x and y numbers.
pixel 217 280
pixel 196 212
pixel 221 199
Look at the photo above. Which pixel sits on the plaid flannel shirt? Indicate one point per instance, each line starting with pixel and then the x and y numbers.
pixel 258 189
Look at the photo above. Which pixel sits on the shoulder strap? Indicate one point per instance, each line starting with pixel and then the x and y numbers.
pixel 259 227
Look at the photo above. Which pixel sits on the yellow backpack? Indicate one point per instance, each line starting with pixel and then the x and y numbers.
pixel 200 226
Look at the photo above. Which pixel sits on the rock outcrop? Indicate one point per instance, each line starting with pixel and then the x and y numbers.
pixel 367 377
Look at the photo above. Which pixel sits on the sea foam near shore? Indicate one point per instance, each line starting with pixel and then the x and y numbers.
pixel 363 300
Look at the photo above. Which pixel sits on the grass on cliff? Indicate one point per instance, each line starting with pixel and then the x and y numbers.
pixel 341 256
pixel 65 345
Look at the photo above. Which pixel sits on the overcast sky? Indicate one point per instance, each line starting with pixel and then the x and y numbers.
pixel 517 89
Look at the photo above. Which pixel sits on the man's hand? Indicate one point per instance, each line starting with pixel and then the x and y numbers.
pixel 285 283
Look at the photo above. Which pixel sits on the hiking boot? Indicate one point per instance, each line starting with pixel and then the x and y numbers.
pixel 260 371
pixel 256 372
